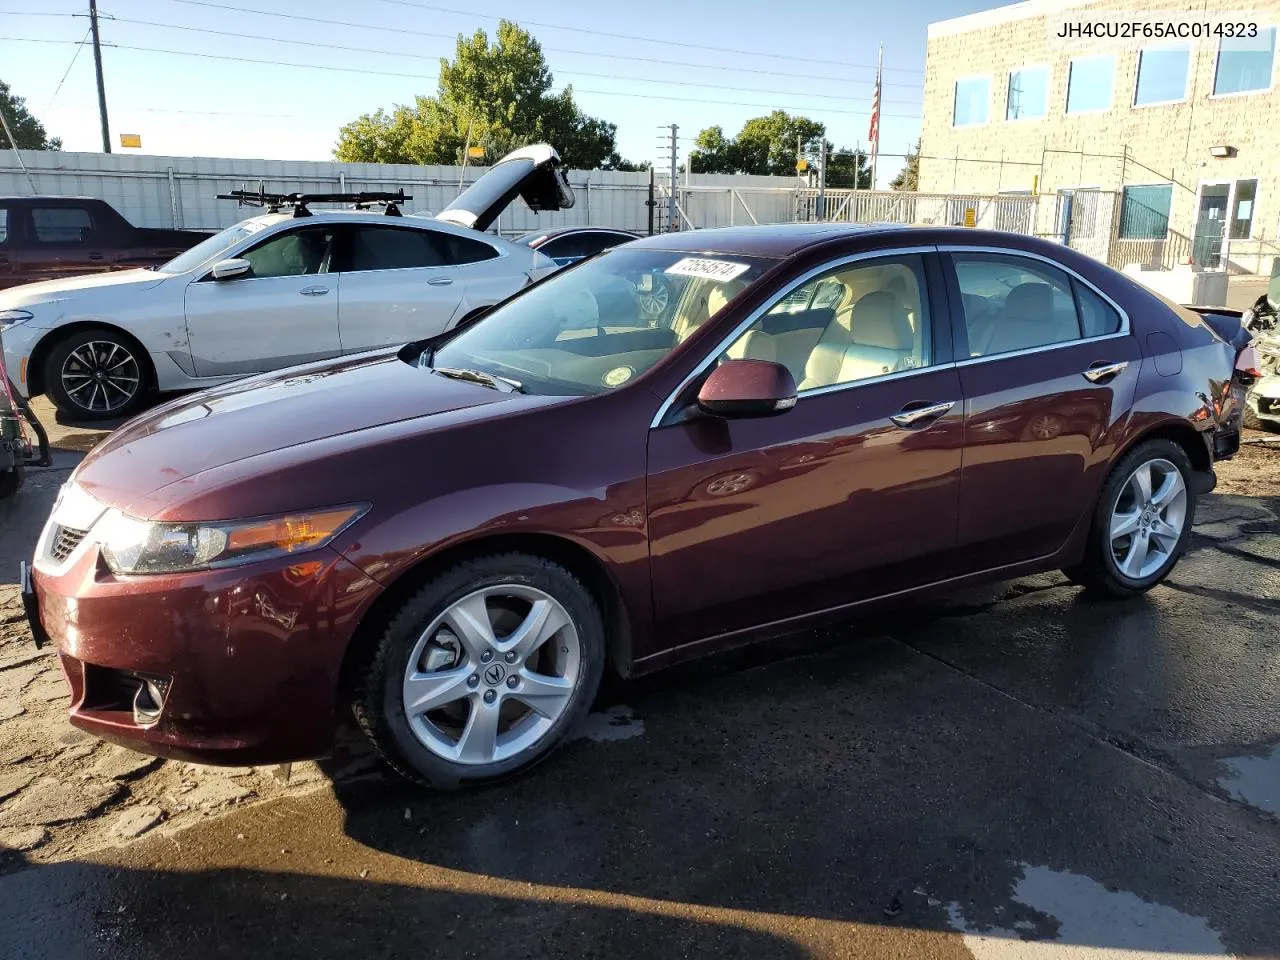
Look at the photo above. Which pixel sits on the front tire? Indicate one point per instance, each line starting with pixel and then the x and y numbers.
pixel 1141 524
pixel 483 672
pixel 97 374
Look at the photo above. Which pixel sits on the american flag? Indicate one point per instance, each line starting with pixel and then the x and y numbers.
pixel 874 134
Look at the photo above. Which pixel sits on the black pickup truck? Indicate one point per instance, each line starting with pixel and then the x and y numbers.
pixel 48 238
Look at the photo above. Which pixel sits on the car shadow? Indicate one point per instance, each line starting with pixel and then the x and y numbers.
pixel 75 910
pixel 854 775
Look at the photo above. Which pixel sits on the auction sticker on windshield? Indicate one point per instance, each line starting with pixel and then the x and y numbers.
pixel 707 269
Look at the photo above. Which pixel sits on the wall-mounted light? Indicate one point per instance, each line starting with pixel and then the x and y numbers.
pixel 1221 151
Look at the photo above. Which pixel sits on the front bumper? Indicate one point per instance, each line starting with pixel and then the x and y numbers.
pixel 236 666
pixel 15 355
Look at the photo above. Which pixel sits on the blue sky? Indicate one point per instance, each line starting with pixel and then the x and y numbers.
pixel 697 65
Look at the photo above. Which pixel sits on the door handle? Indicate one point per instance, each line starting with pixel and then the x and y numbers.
pixel 439 281
pixel 314 291
pixel 919 415
pixel 97 256
pixel 1101 372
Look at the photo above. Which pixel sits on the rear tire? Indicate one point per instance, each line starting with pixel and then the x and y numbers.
pixel 483 672
pixel 97 374
pixel 1141 523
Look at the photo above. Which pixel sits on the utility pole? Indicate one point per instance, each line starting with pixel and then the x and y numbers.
pixel 822 178
pixel 97 67
pixel 672 211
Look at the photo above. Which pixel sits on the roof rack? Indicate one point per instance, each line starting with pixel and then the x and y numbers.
pixel 299 201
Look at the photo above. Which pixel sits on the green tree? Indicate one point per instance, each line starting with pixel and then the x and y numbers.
pixel 712 153
pixel 496 96
pixel 27 130
pixel 847 168
pixel 764 145
pixel 909 177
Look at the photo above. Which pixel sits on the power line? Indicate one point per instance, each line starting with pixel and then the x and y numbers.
pixel 416 56
pixel 67 73
pixel 629 36
pixel 416 76
pixel 582 53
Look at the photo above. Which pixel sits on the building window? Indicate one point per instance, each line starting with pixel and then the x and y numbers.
pixel 1245 63
pixel 972 97
pixel 1144 212
pixel 1242 210
pixel 1089 84
pixel 1028 94
pixel 1162 75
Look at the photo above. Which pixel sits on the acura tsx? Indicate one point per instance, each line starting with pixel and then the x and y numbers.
pixel 457 537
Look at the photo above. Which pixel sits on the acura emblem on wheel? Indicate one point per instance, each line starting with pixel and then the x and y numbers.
pixel 494 674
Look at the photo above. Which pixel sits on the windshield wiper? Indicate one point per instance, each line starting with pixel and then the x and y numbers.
pixel 503 384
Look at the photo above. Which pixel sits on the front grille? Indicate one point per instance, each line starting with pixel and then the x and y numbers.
pixel 65 541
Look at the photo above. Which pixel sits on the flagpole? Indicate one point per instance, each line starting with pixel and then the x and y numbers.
pixel 875 144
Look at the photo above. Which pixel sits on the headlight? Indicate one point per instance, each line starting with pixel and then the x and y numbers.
pixel 11 318
pixel 140 546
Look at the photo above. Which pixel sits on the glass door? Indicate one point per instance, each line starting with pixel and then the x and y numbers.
pixel 1211 219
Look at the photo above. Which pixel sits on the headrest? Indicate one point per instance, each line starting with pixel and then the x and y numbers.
pixel 1030 300
pixel 721 295
pixel 880 321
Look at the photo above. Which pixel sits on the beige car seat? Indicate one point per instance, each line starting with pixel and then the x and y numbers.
pixel 877 341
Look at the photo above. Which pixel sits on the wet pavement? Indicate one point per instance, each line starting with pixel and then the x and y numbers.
pixel 1014 772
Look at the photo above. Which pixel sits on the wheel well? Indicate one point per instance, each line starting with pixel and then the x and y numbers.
pixel 40 355
pixel 575 558
pixel 1184 436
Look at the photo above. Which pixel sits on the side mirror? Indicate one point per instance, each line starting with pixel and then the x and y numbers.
pixel 747 388
pixel 231 269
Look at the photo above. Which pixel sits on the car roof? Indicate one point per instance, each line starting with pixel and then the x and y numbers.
pixel 765 240
pixel 785 240
pixel 561 231
pixel 416 220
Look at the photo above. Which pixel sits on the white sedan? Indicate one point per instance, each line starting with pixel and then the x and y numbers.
pixel 274 291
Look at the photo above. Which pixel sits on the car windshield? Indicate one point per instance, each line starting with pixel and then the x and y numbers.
pixel 207 250
pixel 597 326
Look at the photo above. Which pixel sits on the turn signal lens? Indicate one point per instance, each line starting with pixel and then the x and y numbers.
pixel 290 534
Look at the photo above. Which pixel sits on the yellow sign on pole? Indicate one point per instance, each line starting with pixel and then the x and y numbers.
pixel 475 153
pixel 802 166
pixel 970 217
pixel 131 140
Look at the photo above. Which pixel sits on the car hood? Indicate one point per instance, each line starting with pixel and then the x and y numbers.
pixel 535 174
pixel 47 290
pixel 265 414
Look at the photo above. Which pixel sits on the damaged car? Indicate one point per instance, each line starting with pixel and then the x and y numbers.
pixel 456 538
pixel 1262 403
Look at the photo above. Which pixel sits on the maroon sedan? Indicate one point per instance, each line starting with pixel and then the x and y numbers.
pixel 457 537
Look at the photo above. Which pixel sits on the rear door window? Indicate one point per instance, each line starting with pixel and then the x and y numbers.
pixel 1013 303
pixel 62 225
pixel 392 248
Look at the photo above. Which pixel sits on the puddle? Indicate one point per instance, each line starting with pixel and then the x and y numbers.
pixel 1094 923
pixel 1254 780
pixel 616 723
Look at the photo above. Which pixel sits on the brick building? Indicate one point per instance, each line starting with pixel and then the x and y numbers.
pixel 1166 149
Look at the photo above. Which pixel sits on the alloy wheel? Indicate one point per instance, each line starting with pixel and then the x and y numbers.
pixel 1148 518
pixel 653 304
pixel 492 674
pixel 101 376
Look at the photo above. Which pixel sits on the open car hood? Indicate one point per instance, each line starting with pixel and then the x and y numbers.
pixel 535 174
